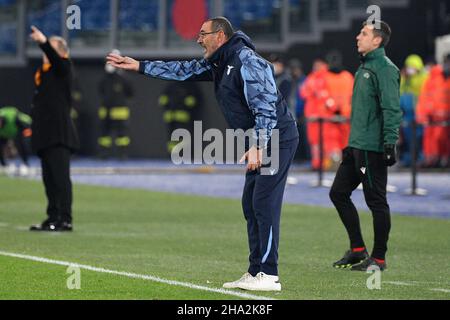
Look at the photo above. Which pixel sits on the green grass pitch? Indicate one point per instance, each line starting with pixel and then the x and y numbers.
pixel 202 240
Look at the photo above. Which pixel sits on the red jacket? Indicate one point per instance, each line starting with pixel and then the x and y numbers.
pixel 433 104
pixel 315 92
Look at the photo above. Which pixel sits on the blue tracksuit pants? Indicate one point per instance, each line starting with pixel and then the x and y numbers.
pixel 261 202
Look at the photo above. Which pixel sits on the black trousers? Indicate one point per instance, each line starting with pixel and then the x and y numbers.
pixel 111 130
pixel 55 163
pixel 369 168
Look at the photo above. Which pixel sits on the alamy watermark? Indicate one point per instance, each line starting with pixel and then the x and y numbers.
pixel 375 16
pixel 374 281
pixel 220 146
pixel 74 280
pixel 73 21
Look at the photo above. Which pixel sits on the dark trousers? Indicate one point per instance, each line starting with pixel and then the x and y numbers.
pixel 19 141
pixel 111 132
pixel 55 163
pixel 261 202
pixel 367 167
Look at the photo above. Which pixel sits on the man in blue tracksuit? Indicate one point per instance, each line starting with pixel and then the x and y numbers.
pixel 248 97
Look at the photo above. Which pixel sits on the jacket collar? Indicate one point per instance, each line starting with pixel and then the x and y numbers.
pixel 377 53
pixel 229 48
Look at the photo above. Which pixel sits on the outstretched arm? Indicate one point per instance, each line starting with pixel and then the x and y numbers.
pixel 194 70
pixel 125 63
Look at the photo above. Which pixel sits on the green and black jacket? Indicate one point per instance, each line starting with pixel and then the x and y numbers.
pixel 376 113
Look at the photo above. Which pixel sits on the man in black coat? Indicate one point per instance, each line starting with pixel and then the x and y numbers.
pixel 54 137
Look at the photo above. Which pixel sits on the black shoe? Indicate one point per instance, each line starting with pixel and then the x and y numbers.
pixel 47 225
pixel 65 226
pixel 351 258
pixel 369 263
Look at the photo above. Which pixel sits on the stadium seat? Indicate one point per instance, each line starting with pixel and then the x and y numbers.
pixel 48 19
pixel 139 15
pixel 7 39
pixel 5 3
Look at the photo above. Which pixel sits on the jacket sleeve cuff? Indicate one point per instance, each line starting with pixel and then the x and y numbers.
pixel 142 67
pixel 260 142
pixel 46 46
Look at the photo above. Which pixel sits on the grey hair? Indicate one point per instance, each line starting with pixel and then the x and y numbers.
pixel 62 44
pixel 222 23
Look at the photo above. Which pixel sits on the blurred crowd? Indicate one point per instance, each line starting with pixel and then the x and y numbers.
pixel 425 100
pixel 321 102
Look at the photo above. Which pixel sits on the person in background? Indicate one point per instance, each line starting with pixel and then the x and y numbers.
pixel 446 141
pixel 434 114
pixel 114 114
pixel 77 112
pixel 282 76
pixel 298 107
pixel 14 126
pixel 284 82
pixel 413 77
pixel 182 104
pixel 338 109
pixel 54 136
pixel 315 93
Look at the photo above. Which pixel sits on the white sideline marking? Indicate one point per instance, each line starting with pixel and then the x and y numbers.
pixel 415 283
pixel 398 283
pixel 441 290
pixel 136 276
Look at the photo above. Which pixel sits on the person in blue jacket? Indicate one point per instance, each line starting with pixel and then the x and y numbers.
pixel 247 94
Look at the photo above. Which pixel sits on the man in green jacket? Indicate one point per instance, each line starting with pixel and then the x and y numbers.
pixel 15 126
pixel 375 123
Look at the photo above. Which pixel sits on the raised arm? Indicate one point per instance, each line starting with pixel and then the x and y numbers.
pixel 60 64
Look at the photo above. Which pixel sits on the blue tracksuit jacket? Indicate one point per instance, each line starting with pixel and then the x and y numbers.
pixel 244 86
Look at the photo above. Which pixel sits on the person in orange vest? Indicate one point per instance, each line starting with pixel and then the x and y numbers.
pixel 338 108
pixel 447 93
pixel 433 113
pixel 315 93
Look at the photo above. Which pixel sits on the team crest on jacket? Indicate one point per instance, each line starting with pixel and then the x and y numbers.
pixel 366 75
pixel 229 70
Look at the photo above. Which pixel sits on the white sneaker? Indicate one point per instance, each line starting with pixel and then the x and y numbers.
pixel 262 282
pixel 235 284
